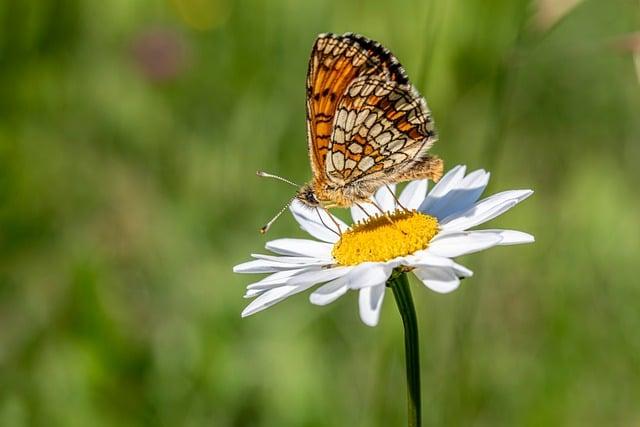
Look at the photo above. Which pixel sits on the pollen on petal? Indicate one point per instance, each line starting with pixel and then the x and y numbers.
pixel 384 237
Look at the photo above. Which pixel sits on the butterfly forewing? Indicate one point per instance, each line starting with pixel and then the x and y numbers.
pixel 336 61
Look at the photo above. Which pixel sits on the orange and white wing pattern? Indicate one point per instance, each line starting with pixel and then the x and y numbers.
pixel 382 129
pixel 336 63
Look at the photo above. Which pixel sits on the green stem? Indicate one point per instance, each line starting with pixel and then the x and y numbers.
pixel 402 293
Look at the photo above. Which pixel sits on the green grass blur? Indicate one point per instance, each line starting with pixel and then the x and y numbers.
pixel 129 137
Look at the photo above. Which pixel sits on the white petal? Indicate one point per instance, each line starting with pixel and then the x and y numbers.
pixel 485 210
pixel 252 293
pixel 456 244
pixel 413 194
pixel 309 220
pixel 330 291
pixel 357 215
pixel 393 263
pixel 300 247
pixel 385 198
pixel 293 260
pixel 370 302
pixel 369 274
pixel 441 280
pixel 462 197
pixel 461 270
pixel 263 266
pixel 319 276
pixel 271 297
pixel 451 180
pixel 472 217
pixel 279 278
pixel 426 259
pixel 303 276
pixel 510 237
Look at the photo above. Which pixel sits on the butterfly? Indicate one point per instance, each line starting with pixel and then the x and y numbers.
pixel 367 125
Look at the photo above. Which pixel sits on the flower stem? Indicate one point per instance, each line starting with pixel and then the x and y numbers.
pixel 402 293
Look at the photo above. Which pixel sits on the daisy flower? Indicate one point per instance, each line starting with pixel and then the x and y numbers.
pixel 420 232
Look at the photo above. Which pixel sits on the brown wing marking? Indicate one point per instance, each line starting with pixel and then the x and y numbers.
pixel 336 61
pixel 381 129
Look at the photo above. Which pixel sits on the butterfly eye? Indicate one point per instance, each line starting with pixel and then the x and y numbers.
pixel 311 198
pixel 308 196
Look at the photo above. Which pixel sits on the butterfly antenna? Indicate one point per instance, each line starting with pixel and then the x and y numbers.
pixel 270 175
pixel 266 228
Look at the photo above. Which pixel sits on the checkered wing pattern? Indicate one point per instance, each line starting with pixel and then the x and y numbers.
pixel 336 63
pixel 382 129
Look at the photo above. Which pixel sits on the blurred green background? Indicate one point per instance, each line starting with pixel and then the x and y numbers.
pixel 129 137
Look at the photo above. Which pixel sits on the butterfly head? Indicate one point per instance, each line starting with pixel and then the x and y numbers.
pixel 307 196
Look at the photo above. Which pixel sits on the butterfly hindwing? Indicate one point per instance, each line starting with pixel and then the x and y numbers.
pixel 381 127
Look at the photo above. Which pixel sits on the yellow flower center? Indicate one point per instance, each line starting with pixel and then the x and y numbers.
pixel 381 238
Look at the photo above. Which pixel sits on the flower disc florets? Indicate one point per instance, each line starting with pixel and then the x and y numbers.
pixel 382 238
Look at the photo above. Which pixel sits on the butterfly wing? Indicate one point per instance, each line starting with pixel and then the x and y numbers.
pixel 382 129
pixel 336 61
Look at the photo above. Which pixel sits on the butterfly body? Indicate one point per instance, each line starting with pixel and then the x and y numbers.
pixel 367 126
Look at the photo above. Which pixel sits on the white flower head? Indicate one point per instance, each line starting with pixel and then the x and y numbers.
pixel 422 235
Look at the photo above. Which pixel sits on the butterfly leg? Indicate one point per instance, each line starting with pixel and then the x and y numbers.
pixel 382 211
pixel 395 198
pixel 363 209
pixel 386 215
pixel 339 232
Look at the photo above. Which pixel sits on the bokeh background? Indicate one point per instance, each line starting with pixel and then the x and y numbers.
pixel 129 137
